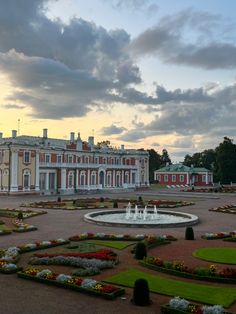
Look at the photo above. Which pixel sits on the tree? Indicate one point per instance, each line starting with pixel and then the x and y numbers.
pixel 225 166
pixel 154 163
pixel 165 158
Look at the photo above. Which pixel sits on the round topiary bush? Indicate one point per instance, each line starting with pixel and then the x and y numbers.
pixel 102 199
pixel 140 250
pixel 141 293
pixel 189 234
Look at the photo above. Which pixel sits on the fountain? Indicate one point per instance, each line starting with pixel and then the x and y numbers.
pixel 141 217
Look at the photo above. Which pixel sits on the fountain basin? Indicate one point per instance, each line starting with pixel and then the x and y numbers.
pixel 165 219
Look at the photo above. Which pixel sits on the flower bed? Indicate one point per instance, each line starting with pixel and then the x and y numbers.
pixel 89 286
pixel 13 213
pixel 178 268
pixel 99 260
pixel 105 255
pixel 22 227
pixel 41 245
pixel 119 237
pixel 219 235
pixel 8 260
pixel 169 203
pixel 229 209
pixel 182 306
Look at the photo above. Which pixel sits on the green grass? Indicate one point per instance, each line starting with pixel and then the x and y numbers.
pixel 195 292
pixel 120 245
pixel 3 227
pixel 223 255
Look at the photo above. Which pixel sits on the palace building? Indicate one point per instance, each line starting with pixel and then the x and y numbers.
pixel 179 174
pixel 30 164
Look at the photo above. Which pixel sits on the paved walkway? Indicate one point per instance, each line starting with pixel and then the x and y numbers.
pixel 20 296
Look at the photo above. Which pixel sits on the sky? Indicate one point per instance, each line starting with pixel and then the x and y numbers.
pixel 147 74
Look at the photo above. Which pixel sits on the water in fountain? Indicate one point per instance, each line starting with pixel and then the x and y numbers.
pixel 139 213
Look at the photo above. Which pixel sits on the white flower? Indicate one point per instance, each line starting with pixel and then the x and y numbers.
pixel 43 272
pixel 63 278
pixel 178 303
pixel 215 309
pixel 88 283
pixel 9 266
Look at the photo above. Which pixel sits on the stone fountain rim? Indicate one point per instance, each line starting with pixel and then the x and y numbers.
pixel 90 217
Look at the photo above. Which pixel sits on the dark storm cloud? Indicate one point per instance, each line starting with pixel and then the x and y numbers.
pixel 62 70
pixel 112 129
pixel 212 114
pixel 207 46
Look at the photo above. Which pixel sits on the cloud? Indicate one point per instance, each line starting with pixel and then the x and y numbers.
pixel 149 5
pixel 112 129
pixel 62 70
pixel 13 106
pixel 206 112
pixel 191 38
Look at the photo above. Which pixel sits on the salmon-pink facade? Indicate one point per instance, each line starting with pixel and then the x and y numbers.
pixel 50 166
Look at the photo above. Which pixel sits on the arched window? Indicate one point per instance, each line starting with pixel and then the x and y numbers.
pixel 126 177
pixel 118 181
pixel 26 179
pixel 93 178
pixel 109 178
pixel 82 178
pixel 71 179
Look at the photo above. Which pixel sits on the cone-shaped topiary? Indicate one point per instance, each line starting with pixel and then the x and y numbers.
pixel 140 250
pixel 20 216
pixel 189 234
pixel 141 292
pixel 115 204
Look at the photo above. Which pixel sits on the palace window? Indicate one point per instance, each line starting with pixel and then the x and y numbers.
pixel 47 158
pixel 59 159
pixel 26 157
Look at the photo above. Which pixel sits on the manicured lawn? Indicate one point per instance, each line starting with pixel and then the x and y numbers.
pixel 223 255
pixel 195 292
pixel 4 228
pixel 120 245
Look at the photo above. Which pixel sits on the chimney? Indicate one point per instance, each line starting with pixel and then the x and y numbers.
pixel 14 133
pixel 91 140
pixel 72 136
pixel 45 133
pixel 1 134
pixel 122 147
pixel 79 144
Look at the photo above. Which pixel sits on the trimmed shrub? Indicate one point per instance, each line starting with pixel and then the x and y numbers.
pixel 140 199
pixel 140 251
pixel 141 292
pixel 20 215
pixel 59 199
pixel 102 199
pixel 189 234
pixel 115 204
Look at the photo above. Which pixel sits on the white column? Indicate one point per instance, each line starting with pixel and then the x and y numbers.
pixel 37 171
pixel 207 179
pixel 88 178
pixel 63 179
pixel 47 182
pixel 122 178
pixel 77 179
pixel 114 178
pixel 14 171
